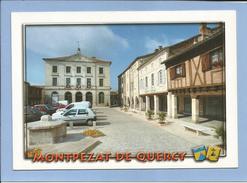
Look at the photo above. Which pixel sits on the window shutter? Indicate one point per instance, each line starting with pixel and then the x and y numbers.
pixel 172 73
pixel 205 62
pixel 183 70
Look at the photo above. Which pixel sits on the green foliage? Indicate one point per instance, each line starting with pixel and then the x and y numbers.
pixel 162 116
pixel 221 133
pixel 149 114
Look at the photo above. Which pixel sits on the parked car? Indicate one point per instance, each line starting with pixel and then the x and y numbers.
pixel 83 104
pixel 31 114
pixel 76 115
pixel 58 106
pixel 45 109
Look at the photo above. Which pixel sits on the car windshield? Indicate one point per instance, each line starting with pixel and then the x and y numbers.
pixel 69 106
pixel 34 110
pixel 49 107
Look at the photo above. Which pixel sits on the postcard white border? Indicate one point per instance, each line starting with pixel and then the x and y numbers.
pixel 18 19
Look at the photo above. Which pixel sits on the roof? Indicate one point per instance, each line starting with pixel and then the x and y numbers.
pixel 78 57
pixel 196 49
pixel 143 59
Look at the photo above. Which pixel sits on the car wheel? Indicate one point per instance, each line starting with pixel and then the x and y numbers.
pixel 90 122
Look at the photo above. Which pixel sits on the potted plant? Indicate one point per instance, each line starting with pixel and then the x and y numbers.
pixel 162 118
pixel 220 131
pixel 149 114
pixel 125 108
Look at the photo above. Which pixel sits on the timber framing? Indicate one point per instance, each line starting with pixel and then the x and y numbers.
pixel 199 48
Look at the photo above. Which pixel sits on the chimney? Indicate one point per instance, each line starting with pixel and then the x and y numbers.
pixel 203 28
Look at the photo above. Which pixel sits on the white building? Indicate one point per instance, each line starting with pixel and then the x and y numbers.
pixel 77 78
pixel 143 85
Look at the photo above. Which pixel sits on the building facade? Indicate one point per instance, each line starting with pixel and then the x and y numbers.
pixel 196 76
pixel 77 78
pixel 143 85
pixel 32 94
pixel 186 78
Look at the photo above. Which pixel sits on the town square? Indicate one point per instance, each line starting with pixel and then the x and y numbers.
pixel 171 98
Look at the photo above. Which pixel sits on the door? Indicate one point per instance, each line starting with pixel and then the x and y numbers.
pixel 82 115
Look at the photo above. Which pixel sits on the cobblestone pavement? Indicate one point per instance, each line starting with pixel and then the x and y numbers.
pixel 124 132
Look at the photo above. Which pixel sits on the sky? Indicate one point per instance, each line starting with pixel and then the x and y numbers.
pixel 120 44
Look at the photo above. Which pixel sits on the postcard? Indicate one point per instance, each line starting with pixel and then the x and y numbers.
pixel 123 90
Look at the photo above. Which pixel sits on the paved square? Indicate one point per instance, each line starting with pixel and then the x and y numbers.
pixel 127 133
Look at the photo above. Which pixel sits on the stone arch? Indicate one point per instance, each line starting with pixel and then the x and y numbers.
pixel 101 98
pixel 89 97
pixel 68 97
pixel 78 97
pixel 54 97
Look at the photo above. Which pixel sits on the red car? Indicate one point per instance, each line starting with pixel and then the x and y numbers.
pixel 45 109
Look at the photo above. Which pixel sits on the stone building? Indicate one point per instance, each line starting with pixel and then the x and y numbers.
pixel 32 94
pixel 142 86
pixel 186 78
pixel 77 78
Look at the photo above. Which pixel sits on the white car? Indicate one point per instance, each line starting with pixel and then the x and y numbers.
pixel 82 104
pixel 76 115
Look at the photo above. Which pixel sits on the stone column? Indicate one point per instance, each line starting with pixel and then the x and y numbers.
pixel 147 103
pixel 181 104
pixel 73 96
pixel 156 104
pixel 169 105
pixel 140 103
pixel 195 109
pixel 174 106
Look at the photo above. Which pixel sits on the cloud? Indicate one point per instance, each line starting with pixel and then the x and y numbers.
pixel 152 43
pixel 52 41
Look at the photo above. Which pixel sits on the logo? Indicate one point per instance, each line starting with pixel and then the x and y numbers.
pixel 212 153
pixel 199 153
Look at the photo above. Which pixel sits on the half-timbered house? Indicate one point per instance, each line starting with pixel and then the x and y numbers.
pixel 196 75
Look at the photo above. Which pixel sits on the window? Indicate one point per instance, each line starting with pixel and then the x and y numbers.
pixel 78 69
pixel 89 70
pixel 68 69
pixel 78 81
pixel 54 81
pixel 212 60
pixel 177 71
pixel 101 82
pixel 216 57
pixel 71 112
pixel 54 69
pixel 67 82
pixel 82 111
pixel 152 79
pixel 88 82
pixel 160 78
pixel 146 81
pixel 101 70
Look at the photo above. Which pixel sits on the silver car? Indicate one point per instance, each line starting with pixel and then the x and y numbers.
pixel 76 116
